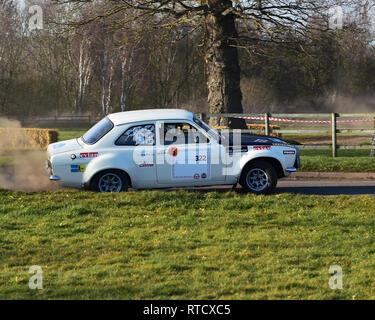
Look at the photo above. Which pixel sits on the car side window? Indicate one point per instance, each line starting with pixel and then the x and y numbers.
pixel 180 133
pixel 138 135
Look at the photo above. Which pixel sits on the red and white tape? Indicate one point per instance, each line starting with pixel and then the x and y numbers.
pixel 305 121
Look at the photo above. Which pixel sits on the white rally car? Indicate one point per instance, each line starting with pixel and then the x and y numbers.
pixel 168 148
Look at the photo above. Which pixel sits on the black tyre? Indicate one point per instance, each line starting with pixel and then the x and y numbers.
pixel 259 177
pixel 110 181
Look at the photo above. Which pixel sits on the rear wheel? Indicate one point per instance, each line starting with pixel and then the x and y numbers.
pixel 110 181
pixel 259 177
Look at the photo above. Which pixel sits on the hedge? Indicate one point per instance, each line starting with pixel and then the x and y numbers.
pixel 30 138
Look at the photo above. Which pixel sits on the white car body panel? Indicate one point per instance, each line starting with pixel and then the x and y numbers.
pixel 74 163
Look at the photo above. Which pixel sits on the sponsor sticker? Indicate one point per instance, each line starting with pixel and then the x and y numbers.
pixel 204 175
pixel 197 176
pixel 146 165
pixel 84 155
pixel 173 151
pixel 287 152
pixel 77 168
pixel 259 148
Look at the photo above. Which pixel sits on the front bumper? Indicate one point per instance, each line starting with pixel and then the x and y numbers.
pixel 54 178
pixel 297 163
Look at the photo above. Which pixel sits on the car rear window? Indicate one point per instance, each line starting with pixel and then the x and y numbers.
pixel 98 131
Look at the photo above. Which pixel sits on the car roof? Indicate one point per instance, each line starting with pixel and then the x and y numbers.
pixel 150 114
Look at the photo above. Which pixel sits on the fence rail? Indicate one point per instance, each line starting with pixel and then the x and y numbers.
pixel 323 118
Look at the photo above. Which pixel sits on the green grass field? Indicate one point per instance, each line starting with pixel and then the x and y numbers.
pixel 185 245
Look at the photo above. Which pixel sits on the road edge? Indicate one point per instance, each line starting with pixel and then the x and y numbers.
pixel 333 175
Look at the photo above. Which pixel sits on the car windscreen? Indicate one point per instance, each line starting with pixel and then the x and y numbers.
pixel 98 131
pixel 213 133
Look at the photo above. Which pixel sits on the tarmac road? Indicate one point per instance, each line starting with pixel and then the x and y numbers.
pixel 327 187
pixel 314 187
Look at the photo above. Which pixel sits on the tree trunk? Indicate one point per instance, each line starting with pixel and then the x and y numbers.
pixel 123 85
pixel 222 67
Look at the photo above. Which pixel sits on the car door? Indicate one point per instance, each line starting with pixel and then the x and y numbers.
pixel 136 147
pixel 184 155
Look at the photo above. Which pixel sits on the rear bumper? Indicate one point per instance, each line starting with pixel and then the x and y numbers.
pixel 290 170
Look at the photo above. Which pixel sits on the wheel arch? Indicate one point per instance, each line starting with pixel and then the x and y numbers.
pixel 88 183
pixel 272 161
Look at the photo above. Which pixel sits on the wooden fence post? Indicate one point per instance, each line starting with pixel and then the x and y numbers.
pixel 334 135
pixel 267 124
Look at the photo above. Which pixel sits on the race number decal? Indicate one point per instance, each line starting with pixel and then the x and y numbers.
pixel 200 158
pixel 192 164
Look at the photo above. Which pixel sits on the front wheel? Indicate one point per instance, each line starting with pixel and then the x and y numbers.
pixel 110 181
pixel 259 177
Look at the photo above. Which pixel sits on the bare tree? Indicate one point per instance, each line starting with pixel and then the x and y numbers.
pixel 12 38
pixel 85 67
pixel 130 72
pixel 218 19
pixel 107 70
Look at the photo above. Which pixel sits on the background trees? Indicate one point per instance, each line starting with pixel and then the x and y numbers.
pixel 183 56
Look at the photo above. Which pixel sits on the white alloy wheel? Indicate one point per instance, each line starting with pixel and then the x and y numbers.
pixel 110 182
pixel 257 180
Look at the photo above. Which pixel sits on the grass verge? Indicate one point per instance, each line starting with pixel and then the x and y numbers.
pixel 185 245
pixel 347 161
